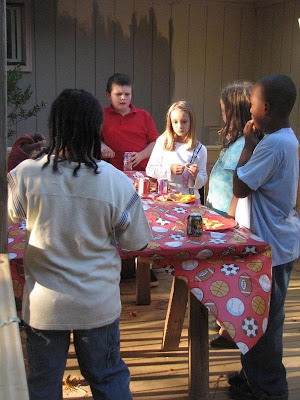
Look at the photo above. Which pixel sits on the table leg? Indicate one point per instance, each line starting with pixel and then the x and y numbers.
pixel 198 350
pixel 175 315
pixel 142 278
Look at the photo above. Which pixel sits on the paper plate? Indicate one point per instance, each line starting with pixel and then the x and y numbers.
pixel 159 197
pixel 218 223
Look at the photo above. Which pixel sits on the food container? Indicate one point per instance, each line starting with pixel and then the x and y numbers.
pixel 194 225
pixel 153 185
pixel 144 186
pixel 127 166
pixel 162 186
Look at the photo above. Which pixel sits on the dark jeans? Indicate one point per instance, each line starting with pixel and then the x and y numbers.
pixel 98 354
pixel 262 365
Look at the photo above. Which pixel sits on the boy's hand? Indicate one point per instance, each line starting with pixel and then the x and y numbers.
pixel 177 169
pixel 106 151
pixel 193 170
pixel 34 142
pixel 252 135
pixel 136 158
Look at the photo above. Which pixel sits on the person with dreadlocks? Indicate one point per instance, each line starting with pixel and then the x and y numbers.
pixel 77 207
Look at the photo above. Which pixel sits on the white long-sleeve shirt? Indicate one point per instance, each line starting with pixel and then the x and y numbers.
pixel 159 165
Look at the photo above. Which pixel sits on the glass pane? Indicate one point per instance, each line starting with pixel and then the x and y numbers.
pixel 14 34
pixel 8 33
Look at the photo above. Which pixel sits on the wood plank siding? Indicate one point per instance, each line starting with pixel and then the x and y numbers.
pixel 173 50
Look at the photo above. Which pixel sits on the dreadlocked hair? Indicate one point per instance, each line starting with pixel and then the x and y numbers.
pixel 74 126
pixel 236 99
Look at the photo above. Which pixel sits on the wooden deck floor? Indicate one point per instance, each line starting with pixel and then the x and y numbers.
pixel 157 375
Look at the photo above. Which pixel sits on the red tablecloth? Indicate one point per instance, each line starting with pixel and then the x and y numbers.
pixel 229 271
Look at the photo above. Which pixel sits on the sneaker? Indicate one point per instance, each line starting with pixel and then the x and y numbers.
pixel 220 342
pixel 153 279
pixel 242 392
pixel 235 378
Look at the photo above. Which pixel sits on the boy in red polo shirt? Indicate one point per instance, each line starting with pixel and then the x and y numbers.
pixel 126 128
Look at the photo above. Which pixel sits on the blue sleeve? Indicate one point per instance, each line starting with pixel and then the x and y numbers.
pixel 260 168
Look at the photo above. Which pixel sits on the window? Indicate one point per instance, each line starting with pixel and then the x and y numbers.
pixel 18 34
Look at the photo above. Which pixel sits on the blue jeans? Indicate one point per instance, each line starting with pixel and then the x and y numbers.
pixel 98 354
pixel 262 365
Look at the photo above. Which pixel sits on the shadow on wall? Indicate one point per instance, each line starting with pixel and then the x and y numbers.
pixel 138 49
pixel 141 51
pixel 91 43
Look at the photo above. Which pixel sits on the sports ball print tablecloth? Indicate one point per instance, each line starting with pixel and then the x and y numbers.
pixel 228 270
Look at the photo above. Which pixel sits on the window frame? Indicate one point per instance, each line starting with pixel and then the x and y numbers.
pixel 26 65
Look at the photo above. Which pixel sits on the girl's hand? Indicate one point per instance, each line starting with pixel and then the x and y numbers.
pixel 106 151
pixel 193 170
pixel 252 135
pixel 177 169
pixel 136 158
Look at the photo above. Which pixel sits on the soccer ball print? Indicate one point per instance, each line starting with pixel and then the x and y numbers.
pixel 250 327
pixel 230 269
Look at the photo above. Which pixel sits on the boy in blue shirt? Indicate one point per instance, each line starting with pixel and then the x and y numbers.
pixel 269 171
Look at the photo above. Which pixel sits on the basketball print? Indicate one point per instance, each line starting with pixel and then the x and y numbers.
pixel 267 252
pixel 229 328
pixel 255 265
pixel 18 246
pixel 18 289
pixel 258 305
pixel 153 245
pixel 182 254
pixel 219 288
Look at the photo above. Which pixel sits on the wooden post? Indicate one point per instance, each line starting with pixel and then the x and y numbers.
pixel 198 350
pixel 175 315
pixel 3 131
pixel 13 385
pixel 142 281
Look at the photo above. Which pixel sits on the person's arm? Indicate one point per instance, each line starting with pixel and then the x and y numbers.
pixel 241 189
pixel 137 157
pixel 155 167
pixel 131 227
pixel 198 172
pixel 106 151
pixel 151 137
pixel 232 207
pixel 16 202
pixel 24 147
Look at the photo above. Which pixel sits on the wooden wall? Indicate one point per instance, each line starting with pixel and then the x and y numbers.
pixel 173 50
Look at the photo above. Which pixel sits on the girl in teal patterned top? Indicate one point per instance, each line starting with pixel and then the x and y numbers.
pixel 235 107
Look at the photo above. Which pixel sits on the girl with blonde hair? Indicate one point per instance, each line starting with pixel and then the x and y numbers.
pixel 177 155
